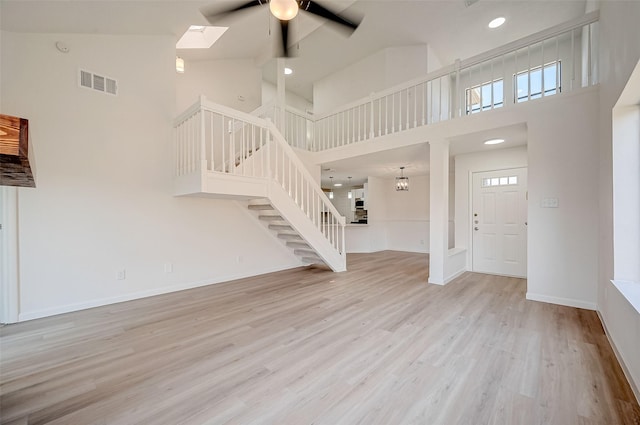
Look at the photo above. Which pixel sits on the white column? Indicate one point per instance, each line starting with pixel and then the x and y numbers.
pixel 9 295
pixel 438 210
pixel 280 95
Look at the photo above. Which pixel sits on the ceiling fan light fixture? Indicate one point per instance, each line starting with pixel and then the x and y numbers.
pixel 285 10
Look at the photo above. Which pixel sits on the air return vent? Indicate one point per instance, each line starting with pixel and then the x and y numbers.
pixel 98 82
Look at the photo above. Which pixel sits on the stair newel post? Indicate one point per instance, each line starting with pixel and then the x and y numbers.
pixel 203 149
pixel 457 98
pixel 343 250
pixel 268 155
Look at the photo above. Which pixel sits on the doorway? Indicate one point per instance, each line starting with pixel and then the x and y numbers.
pixel 499 222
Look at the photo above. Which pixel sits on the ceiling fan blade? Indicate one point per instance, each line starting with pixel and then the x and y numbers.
pixel 284 33
pixel 316 9
pixel 216 15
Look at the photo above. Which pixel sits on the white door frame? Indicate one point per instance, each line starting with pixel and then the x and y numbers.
pixel 9 289
pixel 471 205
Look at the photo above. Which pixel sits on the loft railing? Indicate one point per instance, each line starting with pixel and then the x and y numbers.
pixel 212 138
pixel 557 60
pixel 295 125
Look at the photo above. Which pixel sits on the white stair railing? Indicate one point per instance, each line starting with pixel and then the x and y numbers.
pixel 212 138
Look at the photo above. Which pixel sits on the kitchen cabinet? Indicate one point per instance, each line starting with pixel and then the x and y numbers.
pixel 358 195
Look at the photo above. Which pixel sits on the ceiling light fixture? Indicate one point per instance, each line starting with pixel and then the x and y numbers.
pixel 337 184
pixel 402 182
pixel 179 65
pixel 497 22
pixel 494 142
pixel 288 71
pixel 285 10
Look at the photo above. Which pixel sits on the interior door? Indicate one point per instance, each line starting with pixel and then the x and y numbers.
pixel 499 222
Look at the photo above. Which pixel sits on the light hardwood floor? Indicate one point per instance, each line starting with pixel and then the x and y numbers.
pixel 374 345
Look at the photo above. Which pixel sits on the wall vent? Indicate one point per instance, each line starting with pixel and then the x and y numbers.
pixel 98 82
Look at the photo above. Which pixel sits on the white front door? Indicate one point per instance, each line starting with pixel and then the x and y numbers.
pixel 499 222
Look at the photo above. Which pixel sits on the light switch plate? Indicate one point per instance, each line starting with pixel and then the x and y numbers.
pixel 550 203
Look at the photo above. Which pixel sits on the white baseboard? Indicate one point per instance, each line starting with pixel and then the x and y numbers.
pixel 569 302
pixel 436 282
pixel 627 374
pixel 141 294
pixel 453 276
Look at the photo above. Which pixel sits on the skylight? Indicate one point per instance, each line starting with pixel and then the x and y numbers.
pixel 200 37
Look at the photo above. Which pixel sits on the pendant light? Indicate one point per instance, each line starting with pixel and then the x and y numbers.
pixel 349 194
pixel 402 182
pixel 331 192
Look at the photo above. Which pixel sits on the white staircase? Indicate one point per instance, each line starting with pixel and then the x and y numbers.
pixel 224 153
pixel 275 222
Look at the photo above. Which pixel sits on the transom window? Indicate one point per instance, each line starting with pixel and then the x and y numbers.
pixel 500 181
pixel 537 82
pixel 484 96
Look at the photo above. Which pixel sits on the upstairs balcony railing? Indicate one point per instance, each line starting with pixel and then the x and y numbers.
pixel 557 60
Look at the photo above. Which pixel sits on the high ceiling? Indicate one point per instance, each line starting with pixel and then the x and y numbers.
pixel 449 27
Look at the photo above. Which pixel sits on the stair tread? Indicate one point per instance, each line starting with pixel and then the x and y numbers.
pixel 312 260
pixel 290 236
pixel 272 218
pixel 260 207
pixel 298 244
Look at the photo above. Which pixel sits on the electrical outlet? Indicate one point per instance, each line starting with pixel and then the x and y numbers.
pixel 239 259
pixel 168 267
pixel 421 241
pixel 121 274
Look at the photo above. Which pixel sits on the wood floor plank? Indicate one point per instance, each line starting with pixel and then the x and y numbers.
pixel 375 345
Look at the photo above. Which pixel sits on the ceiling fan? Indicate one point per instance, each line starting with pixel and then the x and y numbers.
pixel 286 10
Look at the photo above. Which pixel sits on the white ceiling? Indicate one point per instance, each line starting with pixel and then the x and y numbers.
pixel 448 26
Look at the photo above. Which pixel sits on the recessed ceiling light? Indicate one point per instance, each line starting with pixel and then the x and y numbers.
pixel 494 141
pixel 337 184
pixel 288 71
pixel 497 22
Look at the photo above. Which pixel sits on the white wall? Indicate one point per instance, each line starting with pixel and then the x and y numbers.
pixel 269 93
pixel 619 53
pixel 103 201
pixel 397 221
pixel 236 83
pixel 406 215
pixel 377 72
pixel 563 163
